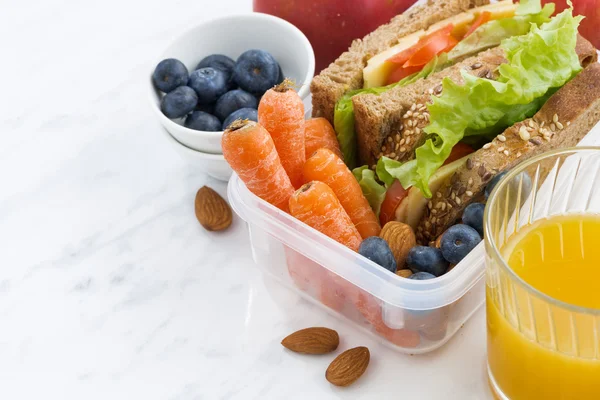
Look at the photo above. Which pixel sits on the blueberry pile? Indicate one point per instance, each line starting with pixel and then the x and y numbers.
pixel 218 91
pixel 428 262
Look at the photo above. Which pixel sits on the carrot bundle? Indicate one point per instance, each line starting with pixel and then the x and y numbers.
pixel 281 112
pixel 249 150
pixel 318 133
pixel 315 204
pixel 327 167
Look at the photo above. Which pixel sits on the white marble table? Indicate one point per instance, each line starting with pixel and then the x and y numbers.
pixel 109 288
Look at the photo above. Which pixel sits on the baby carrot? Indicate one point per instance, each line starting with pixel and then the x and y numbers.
pixel 281 112
pixel 249 150
pixel 315 204
pixel 318 133
pixel 326 167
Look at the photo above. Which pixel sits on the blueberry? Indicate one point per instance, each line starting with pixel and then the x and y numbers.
pixel 209 84
pixel 233 101
pixel 458 241
pixel 220 62
pixel 201 121
pixel 377 250
pixel 179 102
pixel 521 182
pixel 492 184
pixel 426 259
pixel 256 71
pixel 207 108
pixel 281 77
pixel 421 276
pixel 169 74
pixel 242 113
pixel 473 216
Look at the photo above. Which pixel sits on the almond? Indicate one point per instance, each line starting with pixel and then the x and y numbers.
pixel 348 366
pixel 401 239
pixel 212 211
pixel 438 241
pixel 312 341
pixel 405 273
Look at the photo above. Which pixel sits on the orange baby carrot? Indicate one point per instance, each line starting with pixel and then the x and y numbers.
pixel 249 150
pixel 318 133
pixel 281 112
pixel 315 204
pixel 326 167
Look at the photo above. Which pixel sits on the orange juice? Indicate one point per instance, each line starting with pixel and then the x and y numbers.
pixel 539 348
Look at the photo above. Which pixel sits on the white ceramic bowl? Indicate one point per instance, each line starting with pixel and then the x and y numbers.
pixel 232 36
pixel 213 164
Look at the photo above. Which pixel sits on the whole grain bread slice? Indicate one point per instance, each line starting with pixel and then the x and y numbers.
pixel 346 73
pixel 562 122
pixel 392 123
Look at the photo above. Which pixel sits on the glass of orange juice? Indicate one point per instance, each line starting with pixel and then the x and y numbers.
pixel 542 238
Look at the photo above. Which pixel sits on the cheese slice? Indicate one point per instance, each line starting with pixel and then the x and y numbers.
pixel 378 69
pixel 412 208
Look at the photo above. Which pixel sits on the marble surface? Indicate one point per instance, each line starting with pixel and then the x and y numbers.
pixel 109 288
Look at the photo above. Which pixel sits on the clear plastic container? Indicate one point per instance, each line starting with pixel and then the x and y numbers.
pixel 410 316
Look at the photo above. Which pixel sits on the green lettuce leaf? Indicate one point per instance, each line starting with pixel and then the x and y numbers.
pixel 543 59
pixel 373 191
pixel 527 7
pixel 343 119
pixel 492 33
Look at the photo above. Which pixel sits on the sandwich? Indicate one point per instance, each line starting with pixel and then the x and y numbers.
pixel 346 73
pixel 462 93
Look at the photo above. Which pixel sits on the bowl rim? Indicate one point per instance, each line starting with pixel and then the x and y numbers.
pixel 170 124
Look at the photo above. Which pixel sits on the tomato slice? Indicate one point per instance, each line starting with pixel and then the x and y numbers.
pixel 405 55
pixel 481 19
pixel 459 151
pixel 393 197
pixel 414 58
pixel 452 42
pixel 400 73
pixel 431 46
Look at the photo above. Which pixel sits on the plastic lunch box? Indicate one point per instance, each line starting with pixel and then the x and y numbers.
pixel 411 316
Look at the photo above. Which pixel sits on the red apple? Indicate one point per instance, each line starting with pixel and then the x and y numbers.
pixel 588 8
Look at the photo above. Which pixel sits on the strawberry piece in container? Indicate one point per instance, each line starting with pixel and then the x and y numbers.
pixel 281 112
pixel 316 205
pixel 327 167
pixel 318 133
pixel 370 307
pixel 250 151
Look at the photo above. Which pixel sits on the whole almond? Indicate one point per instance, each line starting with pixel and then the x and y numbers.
pixel 401 239
pixel 212 211
pixel 312 341
pixel 348 366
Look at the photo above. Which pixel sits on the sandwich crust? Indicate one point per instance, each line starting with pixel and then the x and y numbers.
pixel 346 73
pixel 562 122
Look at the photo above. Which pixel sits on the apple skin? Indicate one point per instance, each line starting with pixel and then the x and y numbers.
pixel 588 8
